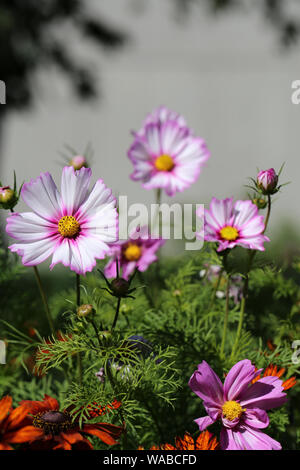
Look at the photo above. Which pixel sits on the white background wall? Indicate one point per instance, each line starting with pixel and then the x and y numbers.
pixel 227 74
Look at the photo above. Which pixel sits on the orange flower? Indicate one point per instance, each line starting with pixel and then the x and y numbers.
pixel 275 371
pixel 95 410
pixel 60 432
pixel 15 427
pixel 205 441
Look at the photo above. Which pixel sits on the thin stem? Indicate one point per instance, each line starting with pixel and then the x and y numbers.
pixel 239 329
pixel 252 254
pixel 78 302
pixel 149 297
pixel 157 202
pixel 117 267
pixel 117 314
pixel 217 285
pixel 114 388
pixel 268 213
pixel 96 331
pixel 158 196
pixel 243 303
pixel 225 317
pixel 44 298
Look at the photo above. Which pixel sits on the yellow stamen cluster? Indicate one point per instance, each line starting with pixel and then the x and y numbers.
pixel 53 422
pixel 68 226
pixel 229 233
pixel 164 163
pixel 132 252
pixel 232 410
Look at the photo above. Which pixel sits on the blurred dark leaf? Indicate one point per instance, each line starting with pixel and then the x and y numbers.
pixel 30 38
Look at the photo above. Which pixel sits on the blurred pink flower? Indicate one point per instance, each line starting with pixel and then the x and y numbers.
pixel 138 252
pixel 78 161
pixel 165 154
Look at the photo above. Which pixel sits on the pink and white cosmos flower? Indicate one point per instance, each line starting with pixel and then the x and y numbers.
pixel 138 252
pixel 239 404
pixel 231 224
pixel 165 153
pixel 74 226
pixel 267 181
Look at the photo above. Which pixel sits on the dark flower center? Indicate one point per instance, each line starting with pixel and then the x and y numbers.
pixel 53 422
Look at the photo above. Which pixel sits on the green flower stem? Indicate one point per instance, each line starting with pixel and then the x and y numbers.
pixel 116 314
pixel 114 388
pixel 239 329
pixel 213 296
pixel 268 213
pixel 146 290
pixel 158 201
pixel 243 303
pixel 252 254
pixel 44 298
pixel 96 331
pixel 225 316
pixel 158 196
pixel 78 302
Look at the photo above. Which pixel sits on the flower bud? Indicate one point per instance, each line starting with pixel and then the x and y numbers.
pixel 120 287
pixel 261 203
pixel 126 309
pixel 85 310
pixel 267 181
pixel 105 335
pixel 78 161
pixel 8 197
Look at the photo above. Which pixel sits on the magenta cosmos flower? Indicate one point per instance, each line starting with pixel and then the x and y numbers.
pixel 267 181
pixel 138 252
pixel 73 227
pixel 165 154
pixel 239 404
pixel 232 224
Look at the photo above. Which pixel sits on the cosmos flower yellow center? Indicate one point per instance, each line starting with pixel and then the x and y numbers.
pixel 232 410
pixel 229 233
pixel 164 163
pixel 68 226
pixel 132 252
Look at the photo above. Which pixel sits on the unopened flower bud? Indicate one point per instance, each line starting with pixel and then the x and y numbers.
pixel 85 310
pixel 120 287
pixel 101 375
pixel 78 161
pixel 105 334
pixel 8 197
pixel 126 309
pixel 177 293
pixel 260 202
pixel 267 181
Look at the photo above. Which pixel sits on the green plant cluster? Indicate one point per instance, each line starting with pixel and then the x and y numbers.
pixel 174 322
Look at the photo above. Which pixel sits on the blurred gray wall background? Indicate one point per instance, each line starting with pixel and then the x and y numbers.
pixel 228 75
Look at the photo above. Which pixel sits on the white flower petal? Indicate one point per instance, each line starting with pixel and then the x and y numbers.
pixel 74 188
pixel 42 196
